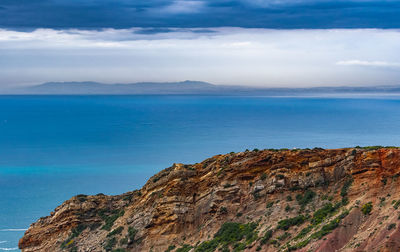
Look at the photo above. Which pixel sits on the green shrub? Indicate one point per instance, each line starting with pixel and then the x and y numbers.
pixel 170 248
pixel 295 188
pixel 184 248
pixel 109 220
pixel 299 245
pixel 81 197
pixel 382 202
pixel 266 237
pixel 225 249
pixel 110 244
pixel 304 199
pixel 263 176
pixel 304 232
pixel 288 208
pixel 227 185
pixel 256 195
pixel 323 212
pixel 127 197
pixel 326 229
pixel 280 176
pixel 345 201
pixel 74 233
pixel 396 204
pixel 343 214
pixel 230 233
pixel 270 204
pixel 223 210
pixel 283 236
pixel 116 231
pixel 366 208
pixel 132 233
pixel 376 147
pixel 391 226
pixel 124 241
pixel 346 187
pixel 289 222
pixel 239 247
pixel 289 198
pixel 207 246
pixel 78 230
pixel 94 225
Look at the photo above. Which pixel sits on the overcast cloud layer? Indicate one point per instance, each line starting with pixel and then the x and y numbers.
pixel 281 14
pixel 237 56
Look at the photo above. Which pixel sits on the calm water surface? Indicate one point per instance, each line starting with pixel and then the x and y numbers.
pixel 54 147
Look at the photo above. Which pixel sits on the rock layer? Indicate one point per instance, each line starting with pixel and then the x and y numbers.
pixel 305 200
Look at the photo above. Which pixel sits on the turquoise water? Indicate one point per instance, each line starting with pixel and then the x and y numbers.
pixel 54 147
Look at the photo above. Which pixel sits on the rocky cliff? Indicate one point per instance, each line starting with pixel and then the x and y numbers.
pixel 269 200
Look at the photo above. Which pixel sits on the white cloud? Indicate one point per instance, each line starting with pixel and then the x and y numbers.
pixel 367 63
pixel 223 56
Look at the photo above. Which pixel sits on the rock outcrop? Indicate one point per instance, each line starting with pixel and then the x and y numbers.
pixel 269 200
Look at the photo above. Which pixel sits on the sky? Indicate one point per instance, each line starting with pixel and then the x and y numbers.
pixel 274 43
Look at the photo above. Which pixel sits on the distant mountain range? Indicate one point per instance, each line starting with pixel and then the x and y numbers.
pixel 192 87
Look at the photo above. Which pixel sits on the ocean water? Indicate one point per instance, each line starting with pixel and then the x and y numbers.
pixel 54 147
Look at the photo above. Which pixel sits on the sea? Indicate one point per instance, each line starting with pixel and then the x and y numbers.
pixel 55 147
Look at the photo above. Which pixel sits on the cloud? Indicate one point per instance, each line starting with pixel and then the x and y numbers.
pixel 239 56
pixel 367 63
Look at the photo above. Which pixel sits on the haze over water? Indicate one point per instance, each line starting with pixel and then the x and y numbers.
pixel 54 147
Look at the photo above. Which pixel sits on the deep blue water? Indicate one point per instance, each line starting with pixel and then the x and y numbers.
pixel 54 147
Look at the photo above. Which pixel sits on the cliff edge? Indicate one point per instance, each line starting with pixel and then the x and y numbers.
pixel 268 200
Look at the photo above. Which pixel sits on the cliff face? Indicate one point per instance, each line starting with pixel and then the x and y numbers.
pixel 306 200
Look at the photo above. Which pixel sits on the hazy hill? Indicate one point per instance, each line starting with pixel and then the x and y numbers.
pixel 192 87
pixel 134 88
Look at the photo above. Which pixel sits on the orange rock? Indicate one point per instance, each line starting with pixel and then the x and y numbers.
pixel 187 204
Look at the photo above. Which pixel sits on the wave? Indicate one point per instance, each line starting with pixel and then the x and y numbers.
pixel 7 249
pixel 13 229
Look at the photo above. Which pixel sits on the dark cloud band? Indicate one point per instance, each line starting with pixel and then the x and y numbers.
pixel 283 14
